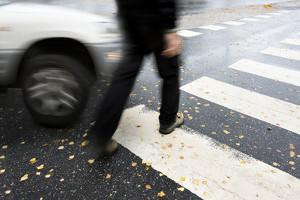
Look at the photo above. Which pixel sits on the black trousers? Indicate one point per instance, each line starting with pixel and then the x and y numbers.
pixel 124 79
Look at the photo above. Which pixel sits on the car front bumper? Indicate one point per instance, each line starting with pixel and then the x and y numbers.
pixel 9 66
pixel 106 56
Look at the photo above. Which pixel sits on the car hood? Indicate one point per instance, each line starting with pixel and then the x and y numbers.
pixel 34 8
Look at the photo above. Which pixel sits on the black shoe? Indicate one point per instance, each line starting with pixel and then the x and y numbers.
pixel 94 150
pixel 167 129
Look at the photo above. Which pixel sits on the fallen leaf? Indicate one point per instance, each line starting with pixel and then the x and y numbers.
pixel 4 147
pixel 91 161
pixel 292 154
pixel 7 191
pixel 32 160
pixel 169 145
pixel 214 133
pixel 243 162
pixel 84 143
pixel 71 143
pixel 269 128
pixel 180 189
pixel 48 176
pixel 2 171
pixel 85 134
pixel 138 126
pixel 226 132
pixel 148 186
pixel 181 157
pixel 259 175
pixel 276 164
pixel 71 157
pixel 133 164
pixel 61 180
pixel 148 163
pixel 224 182
pixel 196 181
pixel 205 194
pixel 2 157
pixel 25 177
pixel 291 162
pixel 40 167
pixel 163 147
pixel 61 147
pixel 273 171
pixel 182 178
pixel 22 143
pixel 293 168
pixel 206 105
pixel 291 146
pixel 38 173
pixel 51 170
pixel 204 182
pixel 108 176
pixel 161 194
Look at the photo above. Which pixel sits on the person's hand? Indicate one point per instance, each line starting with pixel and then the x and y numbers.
pixel 173 44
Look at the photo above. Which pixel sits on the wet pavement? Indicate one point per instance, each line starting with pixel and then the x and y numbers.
pixel 56 174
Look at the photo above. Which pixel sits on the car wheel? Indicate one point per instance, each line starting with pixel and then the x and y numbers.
pixel 55 88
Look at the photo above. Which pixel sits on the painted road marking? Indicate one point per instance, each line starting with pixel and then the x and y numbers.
pixel 233 23
pixel 189 158
pixel 263 16
pixel 186 33
pixel 213 27
pixel 268 71
pixel 285 11
pixel 274 13
pixel 250 19
pixel 262 107
pixel 291 41
pixel 284 53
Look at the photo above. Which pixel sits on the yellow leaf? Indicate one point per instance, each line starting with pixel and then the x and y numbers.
pixel 47 176
pixel 224 182
pixel 2 171
pixel 214 133
pixel 292 154
pixel 259 175
pixel 25 177
pixel 180 189
pixel 204 182
pixel 7 191
pixel 61 147
pixel 2 157
pixel 51 170
pixel 32 160
pixel 38 173
pixel 71 157
pixel 40 167
pixel 163 147
pixel 71 143
pixel 108 176
pixel 148 163
pixel 292 146
pixel 205 194
pixel 61 180
pixel 161 194
pixel 276 164
pixel 84 135
pixel 243 162
pixel 133 164
pixel 91 161
pixel 182 178
pixel 206 105
pixel 226 132
pixel 291 162
pixel 196 181
pixel 148 186
pixel 84 143
pixel 4 147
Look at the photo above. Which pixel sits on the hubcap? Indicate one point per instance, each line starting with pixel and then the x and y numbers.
pixel 53 91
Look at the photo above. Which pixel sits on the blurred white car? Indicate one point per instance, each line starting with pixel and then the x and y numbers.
pixel 54 53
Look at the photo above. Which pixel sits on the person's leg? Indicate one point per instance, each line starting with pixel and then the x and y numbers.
pixel 169 71
pixel 115 99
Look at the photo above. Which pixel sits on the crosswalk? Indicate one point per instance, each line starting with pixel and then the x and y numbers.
pixel 203 165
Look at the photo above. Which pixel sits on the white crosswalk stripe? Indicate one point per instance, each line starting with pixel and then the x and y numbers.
pixel 213 27
pixel 188 158
pixel 268 71
pixel 186 33
pixel 291 41
pixel 250 19
pixel 284 53
pixel 233 23
pixel 262 107
pixel 274 13
pixel 263 16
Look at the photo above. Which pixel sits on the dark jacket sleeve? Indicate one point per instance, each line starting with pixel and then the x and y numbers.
pixel 168 10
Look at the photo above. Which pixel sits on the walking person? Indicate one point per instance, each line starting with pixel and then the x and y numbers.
pixel 149 27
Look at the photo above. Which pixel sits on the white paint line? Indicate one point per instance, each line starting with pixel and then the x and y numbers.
pixel 233 23
pixel 262 107
pixel 213 27
pixel 274 13
pixel 186 33
pixel 198 158
pixel 298 33
pixel 268 71
pixel 263 16
pixel 284 53
pixel 291 41
pixel 284 11
pixel 251 19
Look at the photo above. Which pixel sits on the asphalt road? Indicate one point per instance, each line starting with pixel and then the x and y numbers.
pixel 249 152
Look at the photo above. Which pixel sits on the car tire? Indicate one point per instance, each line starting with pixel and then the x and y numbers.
pixel 55 88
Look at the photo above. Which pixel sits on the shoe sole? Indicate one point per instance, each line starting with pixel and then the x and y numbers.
pixel 168 132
